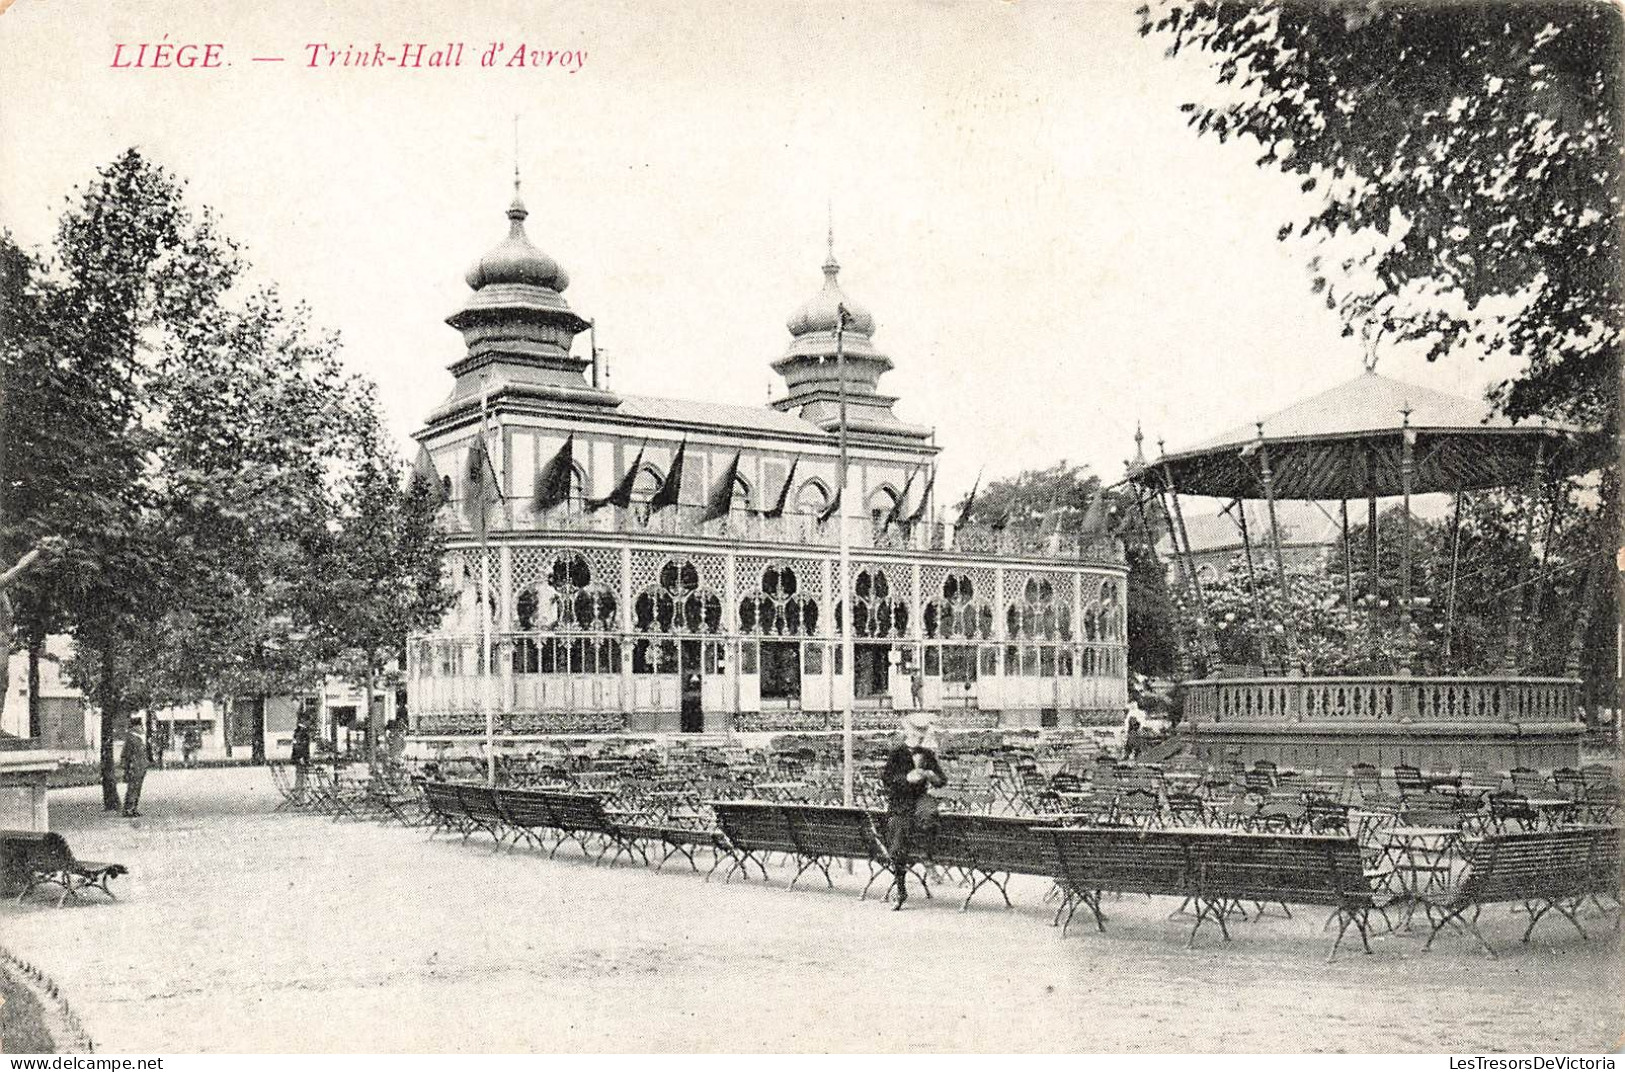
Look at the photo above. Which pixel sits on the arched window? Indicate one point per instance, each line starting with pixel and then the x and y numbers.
pixel 959 610
pixel 812 497
pixel 879 612
pixel 742 496
pixel 1111 611
pixel 882 501
pixel 779 609
pixel 1037 613
pixel 646 483
pixel 567 599
pixel 677 602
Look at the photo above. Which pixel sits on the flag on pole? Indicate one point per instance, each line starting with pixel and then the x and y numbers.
pixel 424 469
pixel 832 509
pixel 970 501
pixel 784 492
pixel 670 492
pixel 480 478
pixel 622 494
pixel 553 482
pixel 721 499
pixel 895 514
pixel 925 497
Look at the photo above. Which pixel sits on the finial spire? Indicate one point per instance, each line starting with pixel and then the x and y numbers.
pixel 830 264
pixel 516 208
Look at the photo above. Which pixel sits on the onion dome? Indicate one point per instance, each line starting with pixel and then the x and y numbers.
pixel 819 358
pixel 516 259
pixel 820 311
pixel 518 331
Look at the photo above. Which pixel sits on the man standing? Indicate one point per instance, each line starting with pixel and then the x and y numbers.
pixel 910 773
pixel 135 768
pixel 301 756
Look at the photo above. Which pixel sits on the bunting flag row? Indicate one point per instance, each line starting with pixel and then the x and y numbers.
pixel 556 481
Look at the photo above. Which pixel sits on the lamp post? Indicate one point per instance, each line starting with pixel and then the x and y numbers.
pixel 845 602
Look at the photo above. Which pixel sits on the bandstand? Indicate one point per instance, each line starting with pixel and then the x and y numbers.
pixel 1374 438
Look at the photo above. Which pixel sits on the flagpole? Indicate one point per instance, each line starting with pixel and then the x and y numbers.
pixel 847 688
pixel 488 709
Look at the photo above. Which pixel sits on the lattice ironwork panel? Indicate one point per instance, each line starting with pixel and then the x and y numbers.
pixel 1060 584
pixel 646 567
pixel 981 578
pixel 531 564
pixel 899 576
pixel 809 577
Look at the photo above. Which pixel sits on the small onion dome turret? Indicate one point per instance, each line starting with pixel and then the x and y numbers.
pixel 517 260
pixel 820 311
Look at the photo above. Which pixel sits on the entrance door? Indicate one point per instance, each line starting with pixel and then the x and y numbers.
pixel 781 670
pixel 690 670
pixel 874 670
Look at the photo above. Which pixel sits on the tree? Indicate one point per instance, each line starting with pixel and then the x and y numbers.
pixel 377 573
pixel 1474 150
pixel 133 284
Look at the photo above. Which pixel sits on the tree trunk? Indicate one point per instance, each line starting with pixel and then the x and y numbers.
pixel 36 648
pixel 372 729
pixel 226 704
pixel 257 749
pixel 111 728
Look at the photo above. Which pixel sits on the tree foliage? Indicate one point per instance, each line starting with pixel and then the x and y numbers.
pixel 1471 149
pixel 196 445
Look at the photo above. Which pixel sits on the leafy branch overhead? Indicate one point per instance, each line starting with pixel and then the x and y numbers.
pixel 1465 159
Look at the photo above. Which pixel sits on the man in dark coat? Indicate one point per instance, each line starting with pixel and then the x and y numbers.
pixel 135 768
pixel 301 755
pixel 910 773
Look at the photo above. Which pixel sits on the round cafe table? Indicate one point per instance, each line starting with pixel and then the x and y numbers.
pixel 1423 860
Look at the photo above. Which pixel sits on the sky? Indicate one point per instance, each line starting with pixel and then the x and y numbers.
pixel 1051 255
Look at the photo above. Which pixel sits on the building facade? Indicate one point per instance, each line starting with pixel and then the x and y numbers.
pixel 661 565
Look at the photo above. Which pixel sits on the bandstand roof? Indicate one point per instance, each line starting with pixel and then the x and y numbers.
pixel 1347 443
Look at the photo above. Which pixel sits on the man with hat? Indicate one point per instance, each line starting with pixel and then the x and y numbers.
pixel 911 772
pixel 135 768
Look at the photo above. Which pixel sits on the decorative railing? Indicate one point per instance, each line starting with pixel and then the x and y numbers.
pixel 802 530
pixel 522 724
pixel 1380 699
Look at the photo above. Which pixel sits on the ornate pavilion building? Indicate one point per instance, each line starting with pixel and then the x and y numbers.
pixel 627 592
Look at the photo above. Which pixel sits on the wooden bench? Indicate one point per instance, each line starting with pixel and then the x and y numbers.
pixel 1216 870
pixel 994 845
pixel 1543 870
pixel 582 816
pixel 444 808
pixel 479 808
pixel 825 833
pixel 751 830
pixel 31 859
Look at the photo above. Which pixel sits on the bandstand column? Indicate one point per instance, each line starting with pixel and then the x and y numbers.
pixel 1268 476
pixel 1538 597
pixel 1176 529
pixel 1450 589
pixel 1348 563
pixel 1372 574
pixel 1252 583
pixel 1407 472
pixel 1509 659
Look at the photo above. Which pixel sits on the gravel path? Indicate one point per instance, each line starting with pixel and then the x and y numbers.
pixel 244 931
